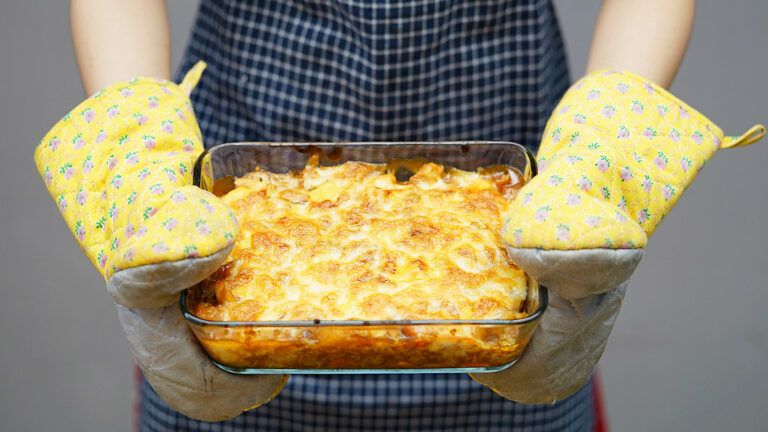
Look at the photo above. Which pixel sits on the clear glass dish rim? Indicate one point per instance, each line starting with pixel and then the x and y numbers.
pixel 387 371
pixel 189 316
pixel 197 177
pixel 197 170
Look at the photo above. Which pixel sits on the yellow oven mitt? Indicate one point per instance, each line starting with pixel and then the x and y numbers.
pixel 119 169
pixel 616 155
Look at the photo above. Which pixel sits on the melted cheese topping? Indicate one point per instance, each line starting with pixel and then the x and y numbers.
pixel 351 242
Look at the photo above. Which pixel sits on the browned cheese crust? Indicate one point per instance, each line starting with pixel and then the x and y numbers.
pixel 351 242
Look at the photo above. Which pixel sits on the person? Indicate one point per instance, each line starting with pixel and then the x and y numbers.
pixel 344 70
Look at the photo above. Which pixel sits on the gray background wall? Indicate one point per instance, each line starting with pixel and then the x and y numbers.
pixel 688 351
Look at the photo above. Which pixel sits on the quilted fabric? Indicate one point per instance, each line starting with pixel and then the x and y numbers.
pixel 119 168
pixel 616 155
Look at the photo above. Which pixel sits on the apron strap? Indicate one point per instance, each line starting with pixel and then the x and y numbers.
pixel 192 77
pixel 753 135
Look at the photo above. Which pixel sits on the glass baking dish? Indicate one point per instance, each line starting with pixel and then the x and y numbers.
pixel 338 347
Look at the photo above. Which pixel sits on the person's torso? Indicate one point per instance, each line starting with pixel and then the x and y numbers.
pixel 384 403
pixel 394 70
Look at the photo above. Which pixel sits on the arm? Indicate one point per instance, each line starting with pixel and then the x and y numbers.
pixel 616 155
pixel 646 37
pixel 118 40
pixel 118 167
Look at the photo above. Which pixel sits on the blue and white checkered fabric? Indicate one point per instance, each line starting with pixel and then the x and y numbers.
pixel 443 402
pixel 363 70
pixel 387 70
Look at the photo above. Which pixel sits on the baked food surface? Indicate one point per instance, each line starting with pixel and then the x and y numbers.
pixel 351 242
pixel 408 240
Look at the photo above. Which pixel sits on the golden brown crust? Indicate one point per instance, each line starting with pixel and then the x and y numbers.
pixel 352 242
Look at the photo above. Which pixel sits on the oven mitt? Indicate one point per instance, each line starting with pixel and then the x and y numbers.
pixel 119 169
pixel 617 153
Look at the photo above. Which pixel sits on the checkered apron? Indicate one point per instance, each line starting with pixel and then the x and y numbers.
pixel 386 70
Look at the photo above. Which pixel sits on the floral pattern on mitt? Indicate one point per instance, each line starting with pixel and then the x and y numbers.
pixel 119 169
pixel 616 155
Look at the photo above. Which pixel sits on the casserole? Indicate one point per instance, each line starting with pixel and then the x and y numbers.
pixel 294 337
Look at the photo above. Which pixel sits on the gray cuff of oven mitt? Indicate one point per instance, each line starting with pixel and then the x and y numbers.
pixel 180 372
pixel 586 288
